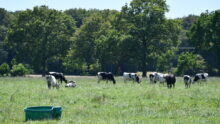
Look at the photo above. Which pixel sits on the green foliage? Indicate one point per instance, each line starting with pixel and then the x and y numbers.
pixel 156 35
pixel 41 34
pixel 189 63
pixel 4 69
pixel 80 14
pixel 19 70
pixel 14 62
pixel 188 21
pixel 88 42
pixel 204 34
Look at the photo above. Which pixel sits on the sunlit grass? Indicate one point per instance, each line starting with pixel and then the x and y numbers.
pixel 91 102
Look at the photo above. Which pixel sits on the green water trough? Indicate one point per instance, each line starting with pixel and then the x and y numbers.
pixel 43 113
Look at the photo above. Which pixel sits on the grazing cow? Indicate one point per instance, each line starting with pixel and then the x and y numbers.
pixel 187 81
pixel 171 80
pixel 51 81
pixel 59 76
pixel 200 77
pixel 71 84
pixel 131 76
pixel 152 78
pixel 160 77
pixel 106 76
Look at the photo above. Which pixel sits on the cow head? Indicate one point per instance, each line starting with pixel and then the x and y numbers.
pixel 137 78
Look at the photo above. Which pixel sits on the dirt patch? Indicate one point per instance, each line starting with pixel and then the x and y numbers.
pixel 67 76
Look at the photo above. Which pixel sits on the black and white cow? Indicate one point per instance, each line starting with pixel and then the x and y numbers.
pixel 187 81
pixel 170 80
pixel 108 76
pixel 70 84
pixel 160 77
pixel 59 76
pixel 52 82
pixel 152 78
pixel 200 77
pixel 131 77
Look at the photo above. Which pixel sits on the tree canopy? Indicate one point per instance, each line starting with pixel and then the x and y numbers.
pixel 39 35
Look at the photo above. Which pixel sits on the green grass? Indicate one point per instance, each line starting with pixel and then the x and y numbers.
pixel 95 103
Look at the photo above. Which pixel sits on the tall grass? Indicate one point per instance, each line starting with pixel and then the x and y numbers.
pixel 91 102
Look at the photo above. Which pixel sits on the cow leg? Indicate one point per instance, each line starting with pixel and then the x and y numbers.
pixel 49 85
pixel 57 86
pixel 186 85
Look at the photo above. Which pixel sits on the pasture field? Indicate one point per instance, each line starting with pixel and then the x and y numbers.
pixel 93 103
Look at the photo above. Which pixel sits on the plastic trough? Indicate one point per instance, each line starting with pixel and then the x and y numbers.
pixel 42 113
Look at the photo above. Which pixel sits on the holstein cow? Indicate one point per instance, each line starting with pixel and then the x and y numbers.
pixel 160 77
pixel 200 77
pixel 152 78
pixel 51 81
pixel 171 80
pixel 70 84
pixel 131 76
pixel 58 76
pixel 187 81
pixel 106 76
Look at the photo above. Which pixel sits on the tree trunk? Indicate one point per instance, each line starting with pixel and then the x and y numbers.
pixel 44 69
pixel 143 59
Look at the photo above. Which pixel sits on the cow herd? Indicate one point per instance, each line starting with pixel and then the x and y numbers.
pixel 54 79
pixel 155 77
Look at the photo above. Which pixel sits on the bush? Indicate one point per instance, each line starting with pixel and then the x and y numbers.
pixel 19 70
pixel 189 63
pixel 4 69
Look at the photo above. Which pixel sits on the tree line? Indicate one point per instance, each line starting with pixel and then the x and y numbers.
pixel 137 38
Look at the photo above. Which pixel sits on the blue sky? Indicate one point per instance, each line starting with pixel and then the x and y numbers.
pixel 178 8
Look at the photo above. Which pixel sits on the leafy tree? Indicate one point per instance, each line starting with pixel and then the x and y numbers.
pixel 4 69
pixel 41 34
pixel 188 21
pixel 147 24
pixel 6 19
pixel 85 44
pixel 95 44
pixel 204 34
pixel 80 14
pixel 19 70
pixel 189 63
pixel 186 24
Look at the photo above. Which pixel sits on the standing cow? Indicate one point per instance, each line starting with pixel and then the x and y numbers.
pixel 170 80
pixel 160 77
pixel 131 76
pixel 52 82
pixel 187 81
pixel 152 78
pixel 108 76
pixel 59 76
pixel 200 77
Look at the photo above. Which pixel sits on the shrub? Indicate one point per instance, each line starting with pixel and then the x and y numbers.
pixel 19 70
pixel 189 63
pixel 4 69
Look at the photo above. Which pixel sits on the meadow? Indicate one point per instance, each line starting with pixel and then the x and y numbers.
pixel 93 103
